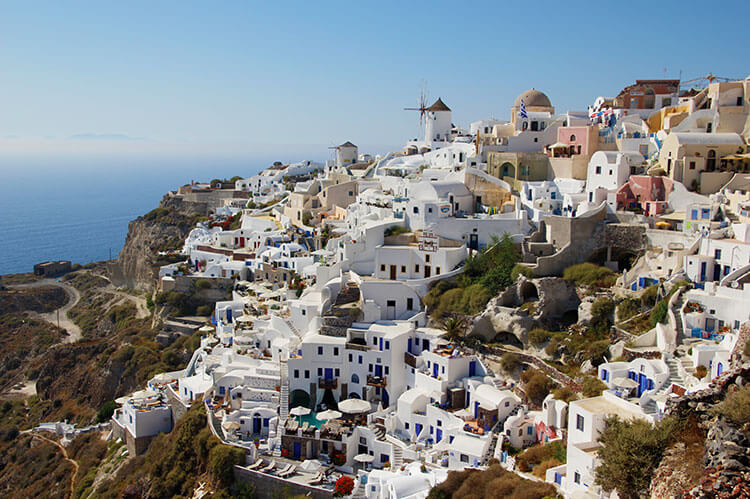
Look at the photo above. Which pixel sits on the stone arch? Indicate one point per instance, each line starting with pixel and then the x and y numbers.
pixel 507 338
pixel 299 398
pixel 507 170
pixel 528 292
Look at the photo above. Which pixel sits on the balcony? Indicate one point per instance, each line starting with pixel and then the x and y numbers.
pixel 379 381
pixel 410 359
pixel 325 383
pixel 357 346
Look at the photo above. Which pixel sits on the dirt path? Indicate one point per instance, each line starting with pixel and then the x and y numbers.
pixel 65 455
pixel 140 302
pixel 74 296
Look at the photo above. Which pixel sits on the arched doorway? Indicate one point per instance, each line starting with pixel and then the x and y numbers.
pixel 529 292
pixel 299 398
pixel 508 170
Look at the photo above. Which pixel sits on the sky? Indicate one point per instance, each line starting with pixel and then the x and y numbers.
pixel 227 79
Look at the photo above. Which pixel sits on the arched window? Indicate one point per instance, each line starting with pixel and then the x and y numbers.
pixel 711 160
pixel 355 378
pixel 572 138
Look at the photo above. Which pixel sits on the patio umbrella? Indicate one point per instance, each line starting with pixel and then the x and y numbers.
pixel 624 383
pixel 231 425
pixel 206 329
pixel 244 318
pixel 328 415
pixel 364 458
pixel 300 411
pixel 310 465
pixel 354 406
pixel 663 224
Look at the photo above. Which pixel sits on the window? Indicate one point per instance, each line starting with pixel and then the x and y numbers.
pixel 410 304
pixel 320 371
pixel 427 258
pixel 577 477
pixel 403 269
pixel 437 270
pixel 610 173
pixel 382 267
pixel 351 357
pixel 307 374
pixel 525 125
pixel 296 373
pixel 739 100
pixel 439 423
pixel 416 210
pixel 692 165
pixel 320 350
pixel 386 370
pixel 351 193
pixel 464 458
pixel 507 404
pixel 337 372
pixel 387 345
pixel 429 210
pixel 717 254
pixel 406 426
pixel 416 268
pixel 579 422
pixel 360 359
pixel 598 170
pixel 572 138
pixel 529 430
pixel 374 341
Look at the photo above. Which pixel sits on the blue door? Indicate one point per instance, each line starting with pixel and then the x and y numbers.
pixel 558 478
pixel 438 435
pixel 229 315
pixel 719 369
pixel 642 383
pixel 328 373
pixel 386 399
pixel 417 429
pixel 380 345
pixel 472 368
pixel 476 409
pixel 297 450
pixel 435 370
pixel 703 271
pixel 408 348
pixel 378 370
pixel 256 424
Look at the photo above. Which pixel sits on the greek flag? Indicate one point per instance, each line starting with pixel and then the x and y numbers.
pixel 522 113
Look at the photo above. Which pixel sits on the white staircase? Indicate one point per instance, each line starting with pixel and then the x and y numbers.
pixel 284 396
pixel 292 327
pixel 398 457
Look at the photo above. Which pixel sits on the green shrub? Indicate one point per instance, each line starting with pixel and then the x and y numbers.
pixel 628 308
pixel 474 298
pixel 552 346
pixel 395 230
pixel 701 372
pixel 601 314
pixel 659 313
pixel 451 301
pixel 518 270
pixel 648 298
pixel 537 386
pixel 592 387
pixel 588 274
pixel 735 406
pixel 565 394
pixel 221 461
pixel 106 411
pixel 202 284
pixel 597 351
pixel 204 310
pixel 539 336
pixel 509 362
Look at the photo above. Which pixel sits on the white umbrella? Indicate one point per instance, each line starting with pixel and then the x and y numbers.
pixel 231 425
pixel 327 415
pixel 244 318
pixel 354 406
pixel 310 465
pixel 364 458
pixel 163 378
pixel 624 383
pixel 300 411
pixel 206 329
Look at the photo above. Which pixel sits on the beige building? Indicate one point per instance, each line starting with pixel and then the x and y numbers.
pixel 517 167
pixel 695 159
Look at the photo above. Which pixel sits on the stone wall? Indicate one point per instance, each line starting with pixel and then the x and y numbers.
pixel 269 486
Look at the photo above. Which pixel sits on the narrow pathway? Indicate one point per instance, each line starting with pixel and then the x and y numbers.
pixel 74 296
pixel 140 302
pixel 65 455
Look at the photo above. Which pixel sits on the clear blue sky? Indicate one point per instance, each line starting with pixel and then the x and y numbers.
pixel 239 77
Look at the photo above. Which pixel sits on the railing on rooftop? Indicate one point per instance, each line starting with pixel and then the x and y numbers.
pixel 326 383
pixel 378 381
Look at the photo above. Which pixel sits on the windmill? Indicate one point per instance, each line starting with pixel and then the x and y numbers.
pixel 422 104
pixel 709 78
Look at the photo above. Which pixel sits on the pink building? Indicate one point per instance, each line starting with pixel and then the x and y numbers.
pixel 574 140
pixel 645 192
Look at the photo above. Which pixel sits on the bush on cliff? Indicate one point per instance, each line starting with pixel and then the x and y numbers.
pixel 589 274
pixel 735 407
pixel 494 482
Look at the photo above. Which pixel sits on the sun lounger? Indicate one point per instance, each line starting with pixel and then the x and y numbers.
pixel 292 469
pixel 284 470
pixel 256 464
pixel 317 479
pixel 305 425
pixel 269 467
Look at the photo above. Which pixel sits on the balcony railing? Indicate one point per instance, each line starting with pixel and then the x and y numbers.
pixel 326 383
pixel 379 381
pixel 410 359
pixel 357 346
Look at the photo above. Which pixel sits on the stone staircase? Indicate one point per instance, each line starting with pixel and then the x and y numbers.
pixel 678 319
pixel 332 325
pixel 398 457
pixel 349 294
pixel 490 449
pixel 498 383
pixel 292 327
pixel 379 431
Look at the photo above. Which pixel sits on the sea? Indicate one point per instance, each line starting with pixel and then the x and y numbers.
pixel 79 209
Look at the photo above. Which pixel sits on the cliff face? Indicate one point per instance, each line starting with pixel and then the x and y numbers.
pixel 162 229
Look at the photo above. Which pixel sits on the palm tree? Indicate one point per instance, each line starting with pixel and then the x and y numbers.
pixel 454 326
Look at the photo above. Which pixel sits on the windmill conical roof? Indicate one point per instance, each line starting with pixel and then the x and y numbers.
pixel 439 105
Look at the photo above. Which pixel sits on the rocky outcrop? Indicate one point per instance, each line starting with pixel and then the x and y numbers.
pixel 164 228
pixel 38 299
pixel 527 304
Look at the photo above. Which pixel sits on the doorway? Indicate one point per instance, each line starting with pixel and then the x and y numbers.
pixel 393 272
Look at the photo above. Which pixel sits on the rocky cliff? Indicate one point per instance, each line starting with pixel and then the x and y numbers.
pixel 161 229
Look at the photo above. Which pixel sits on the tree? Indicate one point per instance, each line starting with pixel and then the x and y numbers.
pixel 454 326
pixel 509 362
pixel 537 386
pixel 630 452
pixel 221 461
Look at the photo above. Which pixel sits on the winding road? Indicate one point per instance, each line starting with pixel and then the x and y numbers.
pixel 65 455
pixel 74 296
